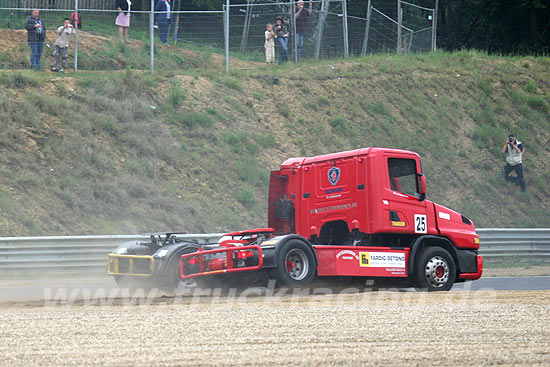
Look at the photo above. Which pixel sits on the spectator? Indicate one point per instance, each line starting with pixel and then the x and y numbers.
pixel 269 44
pixel 36 34
pixel 281 35
pixel 163 20
pixel 514 148
pixel 76 21
pixel 301 25
pixel 123 19
pixel 61 51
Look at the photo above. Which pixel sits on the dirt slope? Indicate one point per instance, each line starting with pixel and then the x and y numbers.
pixel 190 148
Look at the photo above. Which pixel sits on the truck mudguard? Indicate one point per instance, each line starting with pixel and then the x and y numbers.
pixel 272 246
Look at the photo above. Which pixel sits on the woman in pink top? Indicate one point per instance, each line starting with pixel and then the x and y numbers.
pixel 123 19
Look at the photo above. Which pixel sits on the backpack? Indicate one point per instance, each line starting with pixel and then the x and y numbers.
pixel 79 21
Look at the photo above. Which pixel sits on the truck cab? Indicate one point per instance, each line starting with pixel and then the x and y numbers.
pixel 368 201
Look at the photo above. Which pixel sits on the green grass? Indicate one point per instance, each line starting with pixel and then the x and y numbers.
pixel 190 148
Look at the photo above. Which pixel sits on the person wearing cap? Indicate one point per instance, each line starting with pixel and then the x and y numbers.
pixel 514 149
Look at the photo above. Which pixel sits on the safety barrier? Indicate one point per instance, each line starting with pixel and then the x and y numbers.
pixel 67 254
pixel 88 254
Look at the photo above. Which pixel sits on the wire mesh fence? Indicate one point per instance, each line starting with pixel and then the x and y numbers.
pixel 382 33
pixel 320 35
pixel 327 31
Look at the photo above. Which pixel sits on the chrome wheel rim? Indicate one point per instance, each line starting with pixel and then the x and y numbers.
pixel 437 271
pixel 297 264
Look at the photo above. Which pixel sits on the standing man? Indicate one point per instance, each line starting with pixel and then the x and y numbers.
pixel 61 51
pixel 301 25
pixel 163 20
pixel 514 148
pixel 36 34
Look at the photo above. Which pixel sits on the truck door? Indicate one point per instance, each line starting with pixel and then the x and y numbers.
pixel 407 211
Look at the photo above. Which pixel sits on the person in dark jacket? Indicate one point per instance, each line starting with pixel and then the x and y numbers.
pixel 36 34
pixel 281 37
pixel 163 19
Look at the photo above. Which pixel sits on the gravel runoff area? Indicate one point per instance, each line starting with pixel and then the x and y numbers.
pixel 505 328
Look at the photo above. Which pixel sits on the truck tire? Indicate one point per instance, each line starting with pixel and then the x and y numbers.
pixel 295 264
pixel 172 278
pixel 435 269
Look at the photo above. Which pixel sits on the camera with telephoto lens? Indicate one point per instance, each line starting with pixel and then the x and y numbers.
pixel 510 140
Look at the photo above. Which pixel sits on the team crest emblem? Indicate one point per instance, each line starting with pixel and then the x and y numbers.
pixel 334 175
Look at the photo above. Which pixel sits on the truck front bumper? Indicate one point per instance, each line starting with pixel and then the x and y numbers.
pixel 476 275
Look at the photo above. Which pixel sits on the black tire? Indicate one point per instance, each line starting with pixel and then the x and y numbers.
pixel 172 276
pixel 435 269
pixel 295 265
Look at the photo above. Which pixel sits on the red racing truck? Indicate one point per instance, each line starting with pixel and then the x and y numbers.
pixel 360 213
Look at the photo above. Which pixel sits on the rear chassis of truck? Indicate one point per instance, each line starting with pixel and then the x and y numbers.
pixel 167 261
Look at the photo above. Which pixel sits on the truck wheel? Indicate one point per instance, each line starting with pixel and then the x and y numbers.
pixel 172 278
pixel 435 269
pixel 295 264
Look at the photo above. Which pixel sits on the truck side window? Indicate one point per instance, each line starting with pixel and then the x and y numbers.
pixel 403 175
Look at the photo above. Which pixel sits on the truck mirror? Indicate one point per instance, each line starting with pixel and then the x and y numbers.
pixel 422 186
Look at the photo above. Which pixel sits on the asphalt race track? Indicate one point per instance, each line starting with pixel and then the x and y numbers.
pixel 108 288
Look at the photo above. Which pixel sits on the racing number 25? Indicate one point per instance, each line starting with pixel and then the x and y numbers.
pixel 420 223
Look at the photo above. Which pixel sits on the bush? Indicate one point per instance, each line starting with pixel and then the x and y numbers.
pixel 232 83
pixel 246 197
pixel 192 119
pixel 17 80
pixel 175 96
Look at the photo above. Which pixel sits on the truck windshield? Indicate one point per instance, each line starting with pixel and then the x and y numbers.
pixel 403 175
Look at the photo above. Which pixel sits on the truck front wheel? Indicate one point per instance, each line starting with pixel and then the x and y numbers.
pixel 295 264
pixel 435 269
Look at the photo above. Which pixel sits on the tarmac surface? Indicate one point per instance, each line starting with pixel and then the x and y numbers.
pixel 107 289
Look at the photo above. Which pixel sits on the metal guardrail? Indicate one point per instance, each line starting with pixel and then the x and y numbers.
pixel 79 254
pixel 515 242
pixel 67 254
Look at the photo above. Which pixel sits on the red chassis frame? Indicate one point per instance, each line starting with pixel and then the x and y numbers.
pixel 228 261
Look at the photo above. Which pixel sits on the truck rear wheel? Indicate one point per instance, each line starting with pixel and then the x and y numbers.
pixel 435 269
pixel 295 264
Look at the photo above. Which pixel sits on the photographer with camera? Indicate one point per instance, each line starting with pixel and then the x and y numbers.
pixel 514 148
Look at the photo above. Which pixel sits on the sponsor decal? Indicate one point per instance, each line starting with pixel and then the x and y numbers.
pixel 395 223
pixel 332 208
pixel 382 259
pixel 162 253
pixel 334 196
pixel 420 223
pixel 334 175
pixel 347 255
pixel 335 190
pixel 443 215
pixel 385 202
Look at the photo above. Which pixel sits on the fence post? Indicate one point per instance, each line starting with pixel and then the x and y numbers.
pixel 246 28
pixel 75 36
pixel 320 27
pixel 226 34
pixel 152 35
pixel 366 38
pixel 434 39
pixel 399 24
pixel 293 24
pixel 345 25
